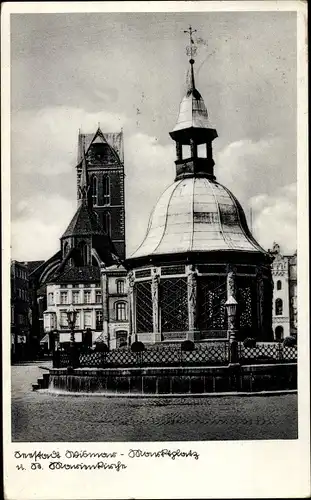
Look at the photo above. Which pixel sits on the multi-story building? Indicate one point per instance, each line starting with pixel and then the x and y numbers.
pixel 20 317
pixel 102 155
pixel 87 273
pixel 99 297
pixel 284 273
pixel 105 165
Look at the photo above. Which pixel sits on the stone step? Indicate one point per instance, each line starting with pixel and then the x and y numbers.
pixel 35 387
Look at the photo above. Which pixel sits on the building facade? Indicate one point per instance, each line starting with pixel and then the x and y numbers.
pixel 100 301
pixel 102 154
pixel 284 273
pixel 20 310
pixel 87 274
pixel 105 163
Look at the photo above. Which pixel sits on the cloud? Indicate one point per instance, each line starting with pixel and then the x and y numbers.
pixel 250 167
pixel 40 216
pixel 275 218
pixel 150 169
pixel 45 141
pixel 41 222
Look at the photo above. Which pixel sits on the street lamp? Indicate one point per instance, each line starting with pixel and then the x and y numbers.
pixel 231 306
pixel 71 319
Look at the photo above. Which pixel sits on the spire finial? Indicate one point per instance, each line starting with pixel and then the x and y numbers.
pixel 191 51
pixel 84 185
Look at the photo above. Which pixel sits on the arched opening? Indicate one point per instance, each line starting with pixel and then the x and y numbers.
pixel 83 253
pixel 279 285
pixel 94 190
pixel 278 307
pixel 66 248
pixel 107 223
pixel 106 190
pixel 121 339
pixel 121 311
pixel 279 333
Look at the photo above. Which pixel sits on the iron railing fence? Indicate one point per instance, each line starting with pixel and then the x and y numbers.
pixel 210 354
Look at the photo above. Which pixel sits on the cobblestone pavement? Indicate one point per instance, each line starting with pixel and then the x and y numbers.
pixel 39 416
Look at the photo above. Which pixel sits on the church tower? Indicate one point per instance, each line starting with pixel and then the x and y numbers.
pixel 105 165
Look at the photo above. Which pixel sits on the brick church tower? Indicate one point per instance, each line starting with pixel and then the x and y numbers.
pixel 105 166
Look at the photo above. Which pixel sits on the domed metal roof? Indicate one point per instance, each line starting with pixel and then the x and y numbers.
pixel 197 215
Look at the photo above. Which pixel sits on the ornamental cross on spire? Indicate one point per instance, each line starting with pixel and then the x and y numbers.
pixel 191 49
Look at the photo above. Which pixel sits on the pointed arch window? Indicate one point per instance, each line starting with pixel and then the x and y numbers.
pixel 106 190
pixel 107 223
pixel 83 252
pixel 279 285
pixel 66 248
pixel 94 188
pixel 278 307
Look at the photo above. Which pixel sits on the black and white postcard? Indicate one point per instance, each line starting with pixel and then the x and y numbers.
pixel 155 250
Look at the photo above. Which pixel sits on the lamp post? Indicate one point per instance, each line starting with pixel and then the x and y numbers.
pixel 231 306
pixel 71 319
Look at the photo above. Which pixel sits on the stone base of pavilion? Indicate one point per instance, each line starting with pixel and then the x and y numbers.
pixel 165 381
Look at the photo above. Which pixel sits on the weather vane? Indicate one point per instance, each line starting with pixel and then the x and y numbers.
pixel 191 49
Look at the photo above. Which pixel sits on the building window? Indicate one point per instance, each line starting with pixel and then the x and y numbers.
pixel 99 320
pixel 66 248
pixel 278 307
pixel 120 287
pixel 121 312
pixel 106 223
pixel 77 323
pixel 50 298
pixel 83 252
pixel 87 297
pixel 87 319
pixel 106 190
pixel 98 297
pixel 63 298
pixel 94 187
pixel 75 297
pixel 279 285
pixel 63 318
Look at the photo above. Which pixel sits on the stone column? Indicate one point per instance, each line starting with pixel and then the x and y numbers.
pixel 192 334
pixel 193 149
pixel 105 305
pixel 155 305
pixel 179 151
pixel 231 281
pixel 132 329
pixel 260 303
pixel 231 305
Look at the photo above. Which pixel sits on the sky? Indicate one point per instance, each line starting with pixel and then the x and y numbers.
pixel 71 71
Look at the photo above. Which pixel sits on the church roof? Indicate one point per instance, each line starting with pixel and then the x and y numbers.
pixel 79 275
pixel 83 223
pixel 197 215
pixel 113 139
